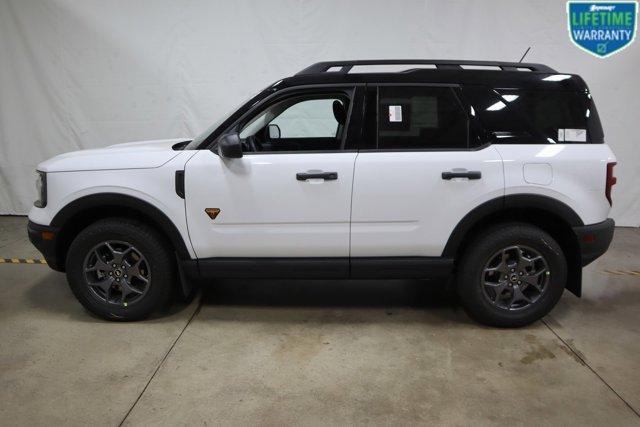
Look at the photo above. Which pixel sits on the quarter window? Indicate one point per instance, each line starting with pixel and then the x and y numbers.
pixel 561 117
pixel 420 117
pixel 513 116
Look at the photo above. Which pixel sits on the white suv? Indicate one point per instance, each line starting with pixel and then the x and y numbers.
pixel 494 172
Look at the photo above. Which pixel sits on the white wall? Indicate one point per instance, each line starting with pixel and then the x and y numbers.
pixel 80 74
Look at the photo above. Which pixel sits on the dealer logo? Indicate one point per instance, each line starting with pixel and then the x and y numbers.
pixel 602 28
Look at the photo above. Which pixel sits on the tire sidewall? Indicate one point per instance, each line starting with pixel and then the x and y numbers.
pixel 150 246
pixel 470 287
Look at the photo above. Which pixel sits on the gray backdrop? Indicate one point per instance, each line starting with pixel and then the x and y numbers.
pixel 82 74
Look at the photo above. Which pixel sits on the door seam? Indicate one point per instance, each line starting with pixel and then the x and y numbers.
pixel 353 183
pixel 186 213
pixel 504 177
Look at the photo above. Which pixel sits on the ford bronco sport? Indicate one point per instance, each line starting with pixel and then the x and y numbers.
pixel 493 173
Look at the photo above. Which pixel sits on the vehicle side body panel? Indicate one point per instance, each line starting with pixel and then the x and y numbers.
pixel 154 186
pixel 402 206
pixel 571 173
pixel 265 210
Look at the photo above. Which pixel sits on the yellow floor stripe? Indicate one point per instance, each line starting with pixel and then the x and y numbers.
pixel 622 272
pixel 22 261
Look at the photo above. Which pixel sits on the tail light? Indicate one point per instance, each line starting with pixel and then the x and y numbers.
pixel 611 181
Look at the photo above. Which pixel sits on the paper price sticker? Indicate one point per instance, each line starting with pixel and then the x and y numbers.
pixel 395 113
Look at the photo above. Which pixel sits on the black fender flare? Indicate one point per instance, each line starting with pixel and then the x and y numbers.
pixel 504 203
pixel 113 200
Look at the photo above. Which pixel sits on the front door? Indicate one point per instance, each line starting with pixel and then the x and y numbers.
pixel 290 193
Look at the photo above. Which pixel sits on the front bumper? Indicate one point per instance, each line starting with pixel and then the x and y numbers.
pixel 44 238
pixel 594 239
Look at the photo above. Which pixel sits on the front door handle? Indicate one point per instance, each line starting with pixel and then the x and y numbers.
pixel 462 174
pixel 327 176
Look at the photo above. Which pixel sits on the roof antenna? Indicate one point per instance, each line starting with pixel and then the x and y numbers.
pixel 525 53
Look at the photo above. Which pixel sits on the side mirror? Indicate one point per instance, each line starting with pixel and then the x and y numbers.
pixel 230 146
pixel 274 131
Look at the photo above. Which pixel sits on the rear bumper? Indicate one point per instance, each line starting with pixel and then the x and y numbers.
pixel 594 239
pixel 44 238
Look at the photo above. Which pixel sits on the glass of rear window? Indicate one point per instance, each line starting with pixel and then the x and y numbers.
pixel 420 117
pixel 559 116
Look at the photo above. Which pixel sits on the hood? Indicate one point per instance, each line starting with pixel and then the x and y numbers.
pixel 130 155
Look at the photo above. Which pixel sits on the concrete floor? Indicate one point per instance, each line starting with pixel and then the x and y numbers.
pixel 313 352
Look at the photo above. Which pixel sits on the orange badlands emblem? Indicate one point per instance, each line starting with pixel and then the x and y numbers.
pixel 212 212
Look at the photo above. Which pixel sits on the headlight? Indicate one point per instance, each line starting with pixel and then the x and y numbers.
pixel 41 187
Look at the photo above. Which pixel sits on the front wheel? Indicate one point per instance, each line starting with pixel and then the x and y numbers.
pixel 120 269
pixel 511 275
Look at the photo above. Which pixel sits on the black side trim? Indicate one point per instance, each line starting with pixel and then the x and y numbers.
pixel 180 184
pixel 594 239
pixel 400 267
pixel 105 201
pixel 46 247
pixel 290 268
pixel 319 268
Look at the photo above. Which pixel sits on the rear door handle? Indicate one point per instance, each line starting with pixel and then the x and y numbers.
pixel 462 174
pixel 327 176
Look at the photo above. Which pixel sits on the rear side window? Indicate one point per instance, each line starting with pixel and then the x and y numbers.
pixel 513 116
pixel 420 117
pixel 565 117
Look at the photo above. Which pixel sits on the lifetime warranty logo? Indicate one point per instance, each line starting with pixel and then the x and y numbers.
pixel 602 28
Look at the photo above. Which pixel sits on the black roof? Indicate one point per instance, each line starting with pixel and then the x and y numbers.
pixel 495 74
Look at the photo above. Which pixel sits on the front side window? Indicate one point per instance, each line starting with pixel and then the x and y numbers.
pixel 314 122
pixel 420 117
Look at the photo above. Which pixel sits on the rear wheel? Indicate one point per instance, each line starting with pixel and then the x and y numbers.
pixel 511 275
pixel 120 269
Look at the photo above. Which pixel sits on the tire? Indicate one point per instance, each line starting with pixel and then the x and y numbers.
pixel 493 294
pixel 138 252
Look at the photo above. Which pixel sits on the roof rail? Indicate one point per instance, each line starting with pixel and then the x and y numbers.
pixel 346 66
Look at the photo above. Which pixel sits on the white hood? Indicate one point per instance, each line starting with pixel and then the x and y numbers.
pixel 130 155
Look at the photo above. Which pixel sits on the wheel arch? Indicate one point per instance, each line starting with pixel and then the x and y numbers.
pixel 80 213
pixel 551 215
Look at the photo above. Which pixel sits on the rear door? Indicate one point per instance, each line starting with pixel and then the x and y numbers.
pixel 420 173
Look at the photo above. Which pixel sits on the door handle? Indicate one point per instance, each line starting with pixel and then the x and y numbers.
pixel 462 174
pixel 327 176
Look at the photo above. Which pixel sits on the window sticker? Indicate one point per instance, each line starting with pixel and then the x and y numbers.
pixel 395 113
pixel 572 135
pixel 575 135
